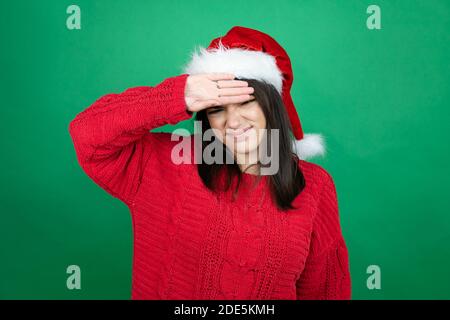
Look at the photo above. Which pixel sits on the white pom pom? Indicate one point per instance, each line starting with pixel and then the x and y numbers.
pixel 310 146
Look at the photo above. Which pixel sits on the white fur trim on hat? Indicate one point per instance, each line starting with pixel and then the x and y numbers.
pixel 310 146
pixel 243 63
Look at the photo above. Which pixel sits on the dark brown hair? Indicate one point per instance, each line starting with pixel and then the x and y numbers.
pixel 289 181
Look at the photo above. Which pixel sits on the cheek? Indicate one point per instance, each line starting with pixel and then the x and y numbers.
pixel 217 124
pixel 261 120
pixel 256 116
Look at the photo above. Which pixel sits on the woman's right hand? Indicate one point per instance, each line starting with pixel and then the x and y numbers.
pixel 214 89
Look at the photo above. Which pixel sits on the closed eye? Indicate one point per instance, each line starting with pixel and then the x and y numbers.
pixel 214 110
pixel 247 102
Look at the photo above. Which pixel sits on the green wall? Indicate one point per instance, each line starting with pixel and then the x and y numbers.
pixel 380 97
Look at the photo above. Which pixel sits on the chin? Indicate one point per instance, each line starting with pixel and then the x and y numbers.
pixel 244 149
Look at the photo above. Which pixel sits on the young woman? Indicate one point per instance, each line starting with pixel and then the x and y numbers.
pixel 220 230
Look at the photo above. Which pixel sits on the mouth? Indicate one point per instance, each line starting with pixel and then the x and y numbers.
pixel 241 135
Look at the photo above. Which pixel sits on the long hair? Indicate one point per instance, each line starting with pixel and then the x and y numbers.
pixel 288 181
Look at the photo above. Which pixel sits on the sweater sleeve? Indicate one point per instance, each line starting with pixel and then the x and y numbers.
pixel 326 274
pixel 112 139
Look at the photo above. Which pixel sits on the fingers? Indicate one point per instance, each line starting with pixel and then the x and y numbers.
pixel 232 83
pixel 226 80
pixel 220 76
pixel 202 104
pixel 235 91
pixel 214 89
pixel 235 99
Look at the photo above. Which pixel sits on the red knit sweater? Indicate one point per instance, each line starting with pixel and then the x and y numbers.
pixel 190 243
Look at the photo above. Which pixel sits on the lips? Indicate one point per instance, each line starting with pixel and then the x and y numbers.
pixel 241 135
pixel 238 133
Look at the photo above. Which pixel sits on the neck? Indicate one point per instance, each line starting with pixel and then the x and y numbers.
pixel 252 169
pixel 248 163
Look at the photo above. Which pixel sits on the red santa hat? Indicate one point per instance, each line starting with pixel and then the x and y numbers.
pixel 252 54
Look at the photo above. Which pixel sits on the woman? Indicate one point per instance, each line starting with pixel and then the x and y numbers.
pixel 222 230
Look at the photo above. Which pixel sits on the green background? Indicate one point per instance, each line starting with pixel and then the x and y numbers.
pixel 380 97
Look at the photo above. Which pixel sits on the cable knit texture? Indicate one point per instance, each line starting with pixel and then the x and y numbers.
pixel 191 243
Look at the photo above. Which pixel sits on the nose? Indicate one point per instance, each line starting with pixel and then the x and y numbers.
pixel 233 119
